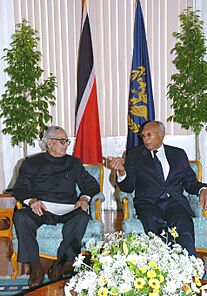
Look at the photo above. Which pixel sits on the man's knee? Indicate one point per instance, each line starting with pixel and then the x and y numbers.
pixel 83 217
pixel 79 218
pixel 151 218
pixel 179 217
pixel 23 219
pixel 153 223
pixel 19 217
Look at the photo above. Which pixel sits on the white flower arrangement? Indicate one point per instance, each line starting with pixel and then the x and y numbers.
pixel 137 264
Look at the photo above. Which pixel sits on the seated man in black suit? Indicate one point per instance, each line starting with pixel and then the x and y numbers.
pixel 47 187
pixel 159 174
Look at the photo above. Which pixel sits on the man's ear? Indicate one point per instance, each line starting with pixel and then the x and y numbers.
pixel 49 143
pixel 162 135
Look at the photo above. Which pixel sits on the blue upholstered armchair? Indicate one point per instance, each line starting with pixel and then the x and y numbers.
pixel 49 236
pixel 132 223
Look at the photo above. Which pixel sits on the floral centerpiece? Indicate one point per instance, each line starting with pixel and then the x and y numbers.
pixel 137 264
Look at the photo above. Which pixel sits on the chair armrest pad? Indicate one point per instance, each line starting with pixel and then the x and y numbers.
pixel 95 206
pixel 195 205
pixel 18 204
pixel 99 196
pixel 128 205
pixel 123 195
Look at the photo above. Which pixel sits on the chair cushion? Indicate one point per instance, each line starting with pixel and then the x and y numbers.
pixel 50 236
pixel 94 171
pixel 200 226
pixel 134 225
pixel 196 207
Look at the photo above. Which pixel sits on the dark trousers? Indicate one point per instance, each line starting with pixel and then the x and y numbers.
pixel 26 224
pixel 168 213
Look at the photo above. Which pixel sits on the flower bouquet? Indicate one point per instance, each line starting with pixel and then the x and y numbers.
pixel 136 264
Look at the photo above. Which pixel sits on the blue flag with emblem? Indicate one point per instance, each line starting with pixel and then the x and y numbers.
pixel 141 105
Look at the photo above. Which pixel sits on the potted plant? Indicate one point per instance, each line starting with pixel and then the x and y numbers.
pixel 188 87
pixel 25 103
pixel 136 264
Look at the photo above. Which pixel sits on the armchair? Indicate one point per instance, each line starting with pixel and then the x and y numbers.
pixel 49 236
pixel 132 223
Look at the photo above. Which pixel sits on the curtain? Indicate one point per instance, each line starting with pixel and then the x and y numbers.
pixel 112 24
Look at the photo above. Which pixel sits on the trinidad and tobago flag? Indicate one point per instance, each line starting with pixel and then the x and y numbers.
pixel 88 140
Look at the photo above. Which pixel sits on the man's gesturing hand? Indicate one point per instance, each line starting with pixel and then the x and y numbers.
pixel 203 198
pixel 117 163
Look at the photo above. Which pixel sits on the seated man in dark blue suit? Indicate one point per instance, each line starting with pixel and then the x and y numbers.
pixel 159 174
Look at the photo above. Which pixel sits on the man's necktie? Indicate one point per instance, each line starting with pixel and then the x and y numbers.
pixel 158 166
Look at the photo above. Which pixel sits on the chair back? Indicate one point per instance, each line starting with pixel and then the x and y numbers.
pixel 197 167
pixel 200 224
pixel 193 199
pixel 97 171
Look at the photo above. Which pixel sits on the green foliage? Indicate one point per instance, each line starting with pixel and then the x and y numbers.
pixel 188 87
pixel 24 105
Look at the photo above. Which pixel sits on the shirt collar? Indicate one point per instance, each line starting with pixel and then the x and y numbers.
pixel 53 158
pixel 160 151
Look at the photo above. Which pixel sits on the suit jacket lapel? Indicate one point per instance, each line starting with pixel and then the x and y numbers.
pixel 170 159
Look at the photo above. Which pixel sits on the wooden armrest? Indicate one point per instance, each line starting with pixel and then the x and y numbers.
pixel 204 213
pixel 122 195
pixel 5 195
pixel 95 206
pixel 128 205
pixel 19 205
pixel 126 208
pixel 98 210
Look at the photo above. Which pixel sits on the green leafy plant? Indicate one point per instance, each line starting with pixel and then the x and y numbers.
pixel 188 87
pixel 25 103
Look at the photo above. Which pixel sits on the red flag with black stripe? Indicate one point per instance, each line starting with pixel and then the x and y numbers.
pixel 88 139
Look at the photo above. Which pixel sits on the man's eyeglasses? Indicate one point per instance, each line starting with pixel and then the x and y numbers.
pixel 148 135
pixel 62 141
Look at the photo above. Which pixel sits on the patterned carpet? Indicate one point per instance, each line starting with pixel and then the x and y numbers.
pixel 14 287
pixel 9 287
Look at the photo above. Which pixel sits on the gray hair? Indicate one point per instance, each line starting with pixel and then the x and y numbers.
pixel 159 124
pixel 50 133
